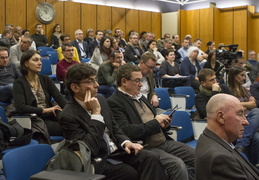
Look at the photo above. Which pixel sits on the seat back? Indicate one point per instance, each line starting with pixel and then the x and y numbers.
pixel 46 67
pixel 182 118
pixel 25 161
pixel 164 98
pixel 3 115
pixel 186 90
pixel 53 57
pixel 43 50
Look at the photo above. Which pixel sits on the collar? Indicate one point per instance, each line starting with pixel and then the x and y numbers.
pixel 81 103
pixel 137 97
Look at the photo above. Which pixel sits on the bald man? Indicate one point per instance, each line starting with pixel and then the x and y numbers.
pixel 215 156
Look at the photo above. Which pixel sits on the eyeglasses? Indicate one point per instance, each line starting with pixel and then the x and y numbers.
pixel 138 81
pixel 89 81
pixel 150 67
pixel 69 50
pixel 66 39
pixel 3 58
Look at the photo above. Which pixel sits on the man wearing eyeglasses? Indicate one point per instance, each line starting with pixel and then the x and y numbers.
pixel 81 46
pixel 88 118
pixel 137 118
pixel 65 39
pixel 147 64
pixel 133 52
pixel 68 52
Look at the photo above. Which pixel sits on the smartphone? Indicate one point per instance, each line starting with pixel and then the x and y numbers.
pixel 173 110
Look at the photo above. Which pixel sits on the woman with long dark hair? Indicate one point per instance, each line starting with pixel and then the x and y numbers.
pixel 55 37
pixel 212 62
pixel 33 93
pixel 101 53
pixel 236 77
pixel 152 48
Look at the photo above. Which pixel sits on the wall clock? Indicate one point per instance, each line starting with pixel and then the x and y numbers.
pixel 45 12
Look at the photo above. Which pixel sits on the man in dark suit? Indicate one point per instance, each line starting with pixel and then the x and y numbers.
pixel 96 41
pixel 133 52
pixel 81 46
pixel 215 156
pixel 137 118
pixel 88 118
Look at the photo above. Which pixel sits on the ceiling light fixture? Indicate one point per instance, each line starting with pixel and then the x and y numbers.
pixel 182 2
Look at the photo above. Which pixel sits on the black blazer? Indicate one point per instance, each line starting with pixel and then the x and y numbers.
pixel 78 125
pixel 92 46
pixel 25 101
pixel 215 159
pixel 131 56
pixel 86 48
pixel 128 118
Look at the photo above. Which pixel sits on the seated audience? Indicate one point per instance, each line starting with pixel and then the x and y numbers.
pixel 183 51
pixel 32 95
pixel 208 88
pixel 171 68
pixel 7 39
pixel 89 36
pixel 211 46
pixel 137 118
pixel 176 40
pixel 55 40
pixel 8 74
pixel 65 39
pixel 107 32
pixel 68 52
pixel 202 56
pixel 26 31
pixel 212 63
pixel 190 67
pixel 147 64
pixel 236 77
pixel 133 52
pixel 39 37
pixel 88 118
pixel 96 42
pixel 252 58
pixel 215 156
pixel 16 51
pixel 81 46
pixel 152 48
pixel 107 74
pixel 101 53
pixel 117 45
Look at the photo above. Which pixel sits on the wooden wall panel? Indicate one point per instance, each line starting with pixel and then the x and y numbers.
pixel 59 6
pixel 131 22
pixel 240 28
pixel 118 19
pixel 31 19
pixel 88 16
pixel 226 26
pixel 144 21
pixel 103 17
pixel 206 26
pixel 217 27
pixel 192 24
pixel 72 21
pixel 16 12
pixel 2 15
pixel 156 24
pixel 182 30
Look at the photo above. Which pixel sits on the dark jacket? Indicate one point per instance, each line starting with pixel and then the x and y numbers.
pixel 188 69
pixel 131 56
pixel 86 49
pixel 215 159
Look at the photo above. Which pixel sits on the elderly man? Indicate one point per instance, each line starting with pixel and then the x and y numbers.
pixel 81 46
pixel 88 118
pixel 17 50
pixel 133 52
pixel 252 58
pixel 68 53
pixel 137 118
pixel 39 38
pixel 8 74
pixel 215 156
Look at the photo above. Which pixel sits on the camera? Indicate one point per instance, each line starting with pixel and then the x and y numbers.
pixel 227 56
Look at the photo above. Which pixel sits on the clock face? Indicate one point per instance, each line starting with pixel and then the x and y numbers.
pixel 45 13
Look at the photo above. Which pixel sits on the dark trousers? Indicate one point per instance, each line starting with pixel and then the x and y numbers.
pixel 145 166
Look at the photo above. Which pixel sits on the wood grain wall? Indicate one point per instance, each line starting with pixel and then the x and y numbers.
pixel 238 25
pixel 72 16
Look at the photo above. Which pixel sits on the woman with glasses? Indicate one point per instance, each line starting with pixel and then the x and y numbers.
pixel 101 53
pixel 250 141
pixel 33 93
pixel 55 37
pixel 170 72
